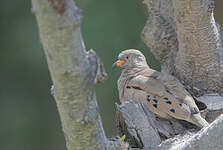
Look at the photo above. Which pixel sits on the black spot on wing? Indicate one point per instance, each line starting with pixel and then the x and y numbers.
pixel 166 98
pixel 172 110
pixel 155 100
pixel 134 87
pixel 168 91
pixel 168 102
pixel 200 105
pixel 155 105
pixel 148 98
pixel 137 88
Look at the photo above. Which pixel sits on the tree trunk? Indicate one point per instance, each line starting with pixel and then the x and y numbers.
pixel 184 36
pixel 74 72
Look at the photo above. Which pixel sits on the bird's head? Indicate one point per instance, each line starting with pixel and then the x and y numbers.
pixel 129 59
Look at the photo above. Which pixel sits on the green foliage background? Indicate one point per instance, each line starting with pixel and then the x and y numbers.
pixel 28 115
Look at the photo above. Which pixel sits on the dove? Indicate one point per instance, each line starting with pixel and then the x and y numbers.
pixel 163 94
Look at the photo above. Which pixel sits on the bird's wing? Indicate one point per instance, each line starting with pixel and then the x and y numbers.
pixel 166 95
pixel 174 86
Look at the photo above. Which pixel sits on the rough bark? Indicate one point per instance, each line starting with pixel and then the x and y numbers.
pixel 184 36
pixel 74 72
pixel 199 59
pixel 136 126
pixel 159 33
pixel 206 139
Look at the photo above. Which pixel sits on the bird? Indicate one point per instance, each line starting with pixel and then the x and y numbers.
pixel 162 93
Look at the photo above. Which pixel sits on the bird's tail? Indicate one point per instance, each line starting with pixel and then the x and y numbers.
pixel 198 120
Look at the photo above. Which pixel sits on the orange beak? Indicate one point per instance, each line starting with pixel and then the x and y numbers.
pixel 118 63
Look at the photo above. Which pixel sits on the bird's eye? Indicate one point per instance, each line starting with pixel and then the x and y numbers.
pixel 127 57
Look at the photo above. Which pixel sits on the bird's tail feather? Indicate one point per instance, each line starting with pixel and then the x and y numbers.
pixel 198 120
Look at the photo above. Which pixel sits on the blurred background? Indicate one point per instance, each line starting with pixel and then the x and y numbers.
pixel 28 115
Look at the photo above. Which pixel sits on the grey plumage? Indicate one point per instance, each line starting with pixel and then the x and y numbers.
pixel 163 94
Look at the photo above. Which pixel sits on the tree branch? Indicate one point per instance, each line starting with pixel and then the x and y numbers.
pixel 198 61
pixel 184 36
pixel 159 33
pixel 206 139
pixel 74 72
pixel 132 121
